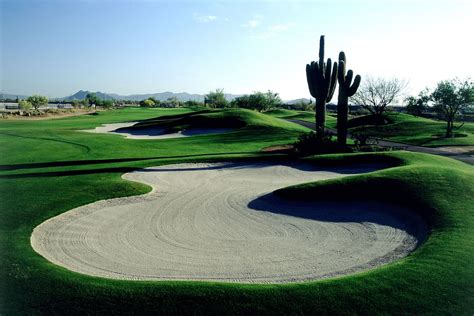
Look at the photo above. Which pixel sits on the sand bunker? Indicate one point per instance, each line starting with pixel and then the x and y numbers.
pixel 457 149
pixel 220 222
pixel 152 133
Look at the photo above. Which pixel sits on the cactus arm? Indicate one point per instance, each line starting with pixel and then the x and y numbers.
pixel 321 51
pixel 316 78
pixel 352 90
pixel 348 80
pixel 309 78
pixel 341 71
pixel 342 57
pixel 333 81
pixel 326 78
pixel 345 91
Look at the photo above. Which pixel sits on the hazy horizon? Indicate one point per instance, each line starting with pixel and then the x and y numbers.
pixel 56 48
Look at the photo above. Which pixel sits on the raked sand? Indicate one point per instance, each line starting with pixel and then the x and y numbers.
pixel 151 133
pixel 220 222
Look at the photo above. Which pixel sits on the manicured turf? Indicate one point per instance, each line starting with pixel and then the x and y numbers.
pixel 47 167
pixel 307 116
pixel 420 131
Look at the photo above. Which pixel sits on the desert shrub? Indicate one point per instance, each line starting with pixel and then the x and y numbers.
pixel 309 144
pixel 369 120
pixel 363 143
pixel 148 103
pixel 37 100
pixel 25 105
pixel 193 103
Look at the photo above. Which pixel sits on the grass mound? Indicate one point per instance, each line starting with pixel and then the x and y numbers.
pixel 412 130
pixel 307 116
pixel 227 118
pixel 441 270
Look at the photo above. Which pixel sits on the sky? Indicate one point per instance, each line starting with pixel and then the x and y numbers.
pixel 56 48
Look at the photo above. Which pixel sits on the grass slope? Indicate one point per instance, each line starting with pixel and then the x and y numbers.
pixel 64 168
pixel 307 116
pixel 420 131
pixel 226 118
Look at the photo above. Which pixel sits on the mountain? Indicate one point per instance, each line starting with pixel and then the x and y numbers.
pixel 6 96
pixel 162 96
pixel 81 95
pixel 295 101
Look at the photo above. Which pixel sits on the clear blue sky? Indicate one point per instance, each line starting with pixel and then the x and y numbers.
pixel 55 48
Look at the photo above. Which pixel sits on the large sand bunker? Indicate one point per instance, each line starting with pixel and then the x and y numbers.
pixel 152 132
pixel 220 222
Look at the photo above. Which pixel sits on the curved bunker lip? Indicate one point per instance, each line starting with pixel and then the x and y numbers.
pixel 220 222
pixel 152 133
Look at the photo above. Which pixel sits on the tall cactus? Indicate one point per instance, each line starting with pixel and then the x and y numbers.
pixel 321 84
pixel 346 90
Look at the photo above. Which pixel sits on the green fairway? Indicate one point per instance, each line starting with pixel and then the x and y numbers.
pixel 307 116
pixel 419 131
pixel 48 167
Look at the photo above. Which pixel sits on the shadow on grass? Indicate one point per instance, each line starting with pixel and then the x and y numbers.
pixel 103 161
pixel 242 162
pixel 87 148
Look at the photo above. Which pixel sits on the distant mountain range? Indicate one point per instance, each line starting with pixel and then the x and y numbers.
pixel 12 96
pixel 162 96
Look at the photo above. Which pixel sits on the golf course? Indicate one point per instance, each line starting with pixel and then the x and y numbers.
pixel 236 157
pixel 183 224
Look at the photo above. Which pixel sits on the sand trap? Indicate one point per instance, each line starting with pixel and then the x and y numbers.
pixel 457 149
pixel 220 222
pixel 152 133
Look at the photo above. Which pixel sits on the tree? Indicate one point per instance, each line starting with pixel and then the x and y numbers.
pixel 25 105
pixel 375 94
pixel 216 99
pixel 193 103
pixel 273 99
pixel 92 100
pixel 258 101
pixel 37 100
pixel 451 98
pixel 173 102
pixel 419 104
pixel 147 103
pixel 107 103
pixel 241 102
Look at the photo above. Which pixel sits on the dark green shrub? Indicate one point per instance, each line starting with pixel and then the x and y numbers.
pixel 310 144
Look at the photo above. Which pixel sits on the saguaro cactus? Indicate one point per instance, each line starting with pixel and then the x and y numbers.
pixel 321 84
pixel 346 90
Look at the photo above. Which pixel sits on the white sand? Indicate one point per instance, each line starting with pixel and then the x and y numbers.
pixel 218 222
pixel 457 149
pixel 152 133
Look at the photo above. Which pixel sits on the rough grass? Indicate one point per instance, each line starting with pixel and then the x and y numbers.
pixel 420 131
pixel 47 167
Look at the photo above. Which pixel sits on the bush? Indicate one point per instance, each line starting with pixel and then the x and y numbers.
pixel 308 144
pixel 369 120
pixel 37 100
pixel 25 105
pixel 148 103
pixel 258 101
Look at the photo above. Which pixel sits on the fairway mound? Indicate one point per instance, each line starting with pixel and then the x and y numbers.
pixel 127 130
pixel 220 222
